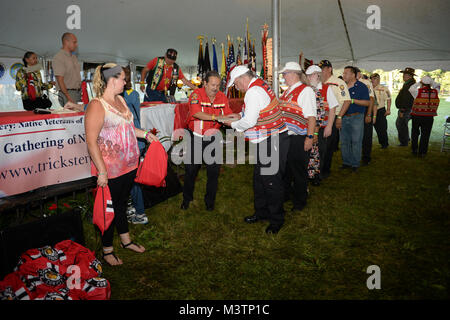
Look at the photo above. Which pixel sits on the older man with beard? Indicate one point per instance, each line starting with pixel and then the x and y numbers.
pixel 298 104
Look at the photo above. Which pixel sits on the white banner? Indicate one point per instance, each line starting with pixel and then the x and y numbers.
pixel 43 152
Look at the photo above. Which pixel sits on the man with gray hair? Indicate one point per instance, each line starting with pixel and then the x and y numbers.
pixel 67 71
pixel 298 104
pixel 263 125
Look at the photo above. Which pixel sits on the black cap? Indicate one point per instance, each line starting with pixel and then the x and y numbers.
pixel 325 63
pixel 171 54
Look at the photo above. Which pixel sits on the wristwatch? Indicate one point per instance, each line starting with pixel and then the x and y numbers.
pixel 310 136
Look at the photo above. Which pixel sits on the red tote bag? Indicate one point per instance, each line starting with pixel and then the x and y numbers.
pixel 153 170
pixel 103 209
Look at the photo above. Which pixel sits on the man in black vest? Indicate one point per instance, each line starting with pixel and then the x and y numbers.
pixel 161 75
pixel 404 102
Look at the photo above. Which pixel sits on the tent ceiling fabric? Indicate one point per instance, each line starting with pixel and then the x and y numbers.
pixel 413 32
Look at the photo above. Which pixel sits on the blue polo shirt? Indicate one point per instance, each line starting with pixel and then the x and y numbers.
pixel 361 92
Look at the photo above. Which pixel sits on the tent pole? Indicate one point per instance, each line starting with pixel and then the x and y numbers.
pixel 275 44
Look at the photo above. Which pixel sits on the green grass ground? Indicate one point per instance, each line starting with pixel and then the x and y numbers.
pixel 393 213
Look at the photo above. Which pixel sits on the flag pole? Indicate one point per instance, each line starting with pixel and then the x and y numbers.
pixel 275 45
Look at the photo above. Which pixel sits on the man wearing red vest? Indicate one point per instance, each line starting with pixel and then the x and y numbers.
pixel 424 109
pixel 298 104
pixel 207 105
pixel 263 125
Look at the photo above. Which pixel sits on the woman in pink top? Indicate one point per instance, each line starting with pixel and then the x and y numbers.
pixel 112 143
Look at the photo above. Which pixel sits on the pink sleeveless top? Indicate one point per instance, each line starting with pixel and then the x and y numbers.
pixel 117 142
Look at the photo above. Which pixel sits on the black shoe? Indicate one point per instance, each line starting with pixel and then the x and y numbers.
pixel 345 166
pixel 252 219
pixel 414 153
pixel 384 147
pixel 421 155
pixel 402 145
pixel 209 208
pixel 365 163
pixel 355 169
pixel 185 205
pixel 273 228
pixel 298 208
pixel 325 175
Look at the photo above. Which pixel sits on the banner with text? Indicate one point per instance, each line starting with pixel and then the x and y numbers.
pixel 42 152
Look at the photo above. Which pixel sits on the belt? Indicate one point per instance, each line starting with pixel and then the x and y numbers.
pixel 351 114
pixel 73 89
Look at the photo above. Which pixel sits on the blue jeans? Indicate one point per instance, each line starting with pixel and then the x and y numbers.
pixel 351 139
pixel 154 95
pixel 137 198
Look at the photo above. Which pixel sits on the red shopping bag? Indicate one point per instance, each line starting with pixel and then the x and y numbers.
pixel 103 209
pixel 153 170
pixel 31 90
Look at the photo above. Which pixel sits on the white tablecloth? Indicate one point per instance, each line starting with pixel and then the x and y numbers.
pixel 160 117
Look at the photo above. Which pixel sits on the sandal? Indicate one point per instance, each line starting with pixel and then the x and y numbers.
pixel 115 257
pixel 125 246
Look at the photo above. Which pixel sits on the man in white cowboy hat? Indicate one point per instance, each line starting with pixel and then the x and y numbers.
pixel 326 104
pixel 298 104
pixel 423 111
pixel 404 102
pixel 262 124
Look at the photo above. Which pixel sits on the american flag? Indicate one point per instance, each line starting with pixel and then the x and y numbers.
pixel 230 58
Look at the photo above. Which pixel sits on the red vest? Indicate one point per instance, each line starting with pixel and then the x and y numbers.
pixel 270 119
pixel 426 103
pixel 292 112
pixel 200 102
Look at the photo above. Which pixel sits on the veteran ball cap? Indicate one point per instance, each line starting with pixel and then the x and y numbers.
pixel 172 54
pixel 325 63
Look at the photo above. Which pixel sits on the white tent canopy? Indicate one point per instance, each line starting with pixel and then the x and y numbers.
pixel 413 33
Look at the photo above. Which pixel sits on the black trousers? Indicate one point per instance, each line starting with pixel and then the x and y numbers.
pixel 381 127
pixel 296 178
pixel 192 168
pixel 421 126
pixel 367 142
pixel 331 146
pixel 120 189
pixel 268 182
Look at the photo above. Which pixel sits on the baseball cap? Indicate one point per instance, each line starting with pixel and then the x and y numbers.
pixel 235 73
pixel 325 63
pixel 171 54
pixel 312 69
pixel 291 66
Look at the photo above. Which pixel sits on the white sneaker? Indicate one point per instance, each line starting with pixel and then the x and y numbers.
pixel 138 219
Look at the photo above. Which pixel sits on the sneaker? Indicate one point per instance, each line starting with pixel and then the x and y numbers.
pixel 138 219
pixel 131 211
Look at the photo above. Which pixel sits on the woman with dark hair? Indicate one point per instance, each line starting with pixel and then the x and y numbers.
pixel 29 83
pixel 112 144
